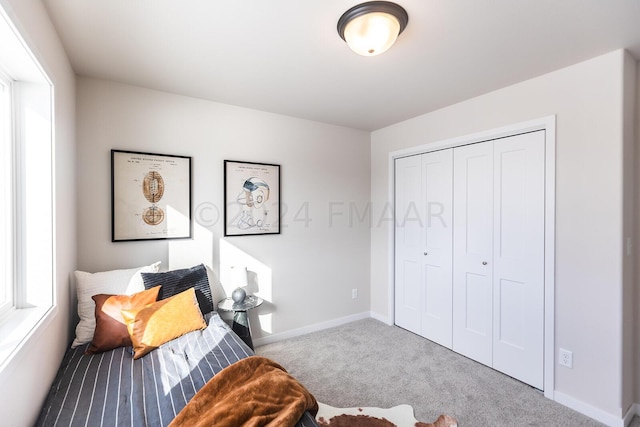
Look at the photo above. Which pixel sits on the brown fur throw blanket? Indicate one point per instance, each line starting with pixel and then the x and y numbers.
pixel 252 392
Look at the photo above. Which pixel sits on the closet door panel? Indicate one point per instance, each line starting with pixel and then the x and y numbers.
pixel 409 241
pixel 518 266
pixel 472 251
pixel 437 168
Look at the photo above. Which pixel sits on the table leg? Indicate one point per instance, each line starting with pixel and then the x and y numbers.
pixel 241 327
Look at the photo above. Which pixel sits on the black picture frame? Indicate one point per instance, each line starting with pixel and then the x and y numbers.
pixel 150 196
pixel 252 197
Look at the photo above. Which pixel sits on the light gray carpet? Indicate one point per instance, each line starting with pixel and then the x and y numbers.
pixel 368 363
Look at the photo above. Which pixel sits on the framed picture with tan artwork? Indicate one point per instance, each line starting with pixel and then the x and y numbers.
pixel 150 196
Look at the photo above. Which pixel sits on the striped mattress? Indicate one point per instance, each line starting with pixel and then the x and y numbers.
pixel 113 389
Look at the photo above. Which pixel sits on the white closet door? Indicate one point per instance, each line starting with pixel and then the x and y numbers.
pixel 518 258
pixel 437 172
pixel 409 241
pixel 472 251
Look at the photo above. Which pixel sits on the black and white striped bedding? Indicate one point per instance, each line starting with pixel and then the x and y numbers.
pixel 112 389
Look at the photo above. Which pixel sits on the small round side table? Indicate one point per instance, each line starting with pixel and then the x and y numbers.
pixel 240 320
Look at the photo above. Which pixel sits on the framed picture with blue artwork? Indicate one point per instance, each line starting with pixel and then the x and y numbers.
pixel 251 198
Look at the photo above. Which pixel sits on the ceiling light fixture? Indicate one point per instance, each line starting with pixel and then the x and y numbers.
pixel 371 28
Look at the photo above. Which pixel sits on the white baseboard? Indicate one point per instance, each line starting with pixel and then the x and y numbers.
pixel 591 411
pixel 311 328
pixel 383 319
pixel 633 411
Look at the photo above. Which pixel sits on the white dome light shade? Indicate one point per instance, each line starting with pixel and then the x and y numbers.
pixel 372 34
pixel 371 28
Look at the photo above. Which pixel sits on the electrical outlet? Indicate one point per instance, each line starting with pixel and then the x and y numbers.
pixel 566 358
pixel 354 293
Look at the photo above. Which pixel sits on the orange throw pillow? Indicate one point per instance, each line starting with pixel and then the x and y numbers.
pixel 111 331
pixel 163 321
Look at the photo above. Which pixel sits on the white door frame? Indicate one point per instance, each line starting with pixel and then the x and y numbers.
pixel 548 124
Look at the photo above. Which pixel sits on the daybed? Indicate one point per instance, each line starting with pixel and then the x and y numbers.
pixel 124 386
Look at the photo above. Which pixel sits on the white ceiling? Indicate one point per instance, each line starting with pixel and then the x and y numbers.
pixel 285 56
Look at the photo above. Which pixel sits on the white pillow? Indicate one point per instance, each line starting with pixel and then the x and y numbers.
pixel 115 282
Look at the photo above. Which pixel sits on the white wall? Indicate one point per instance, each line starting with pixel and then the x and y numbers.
pixel 25 382
pixel 307 272
pixel 588 101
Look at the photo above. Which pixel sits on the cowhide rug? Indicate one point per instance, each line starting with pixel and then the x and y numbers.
pixel 398 416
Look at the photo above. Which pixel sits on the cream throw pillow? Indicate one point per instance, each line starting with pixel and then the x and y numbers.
pixel 116 282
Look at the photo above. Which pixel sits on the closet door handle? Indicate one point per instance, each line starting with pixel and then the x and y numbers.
pixel 484 262
pixel 425 253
